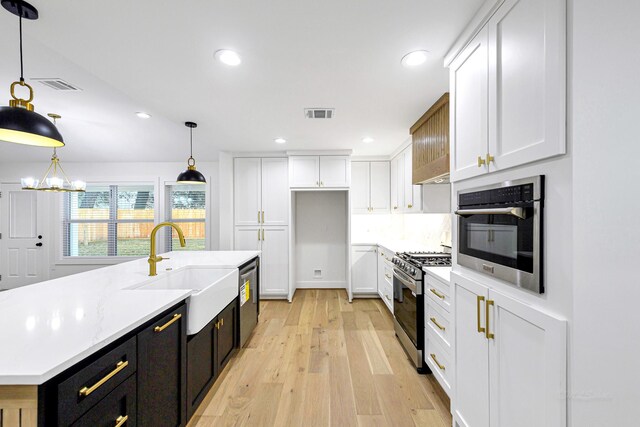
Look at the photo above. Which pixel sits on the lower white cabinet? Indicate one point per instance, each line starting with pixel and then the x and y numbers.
pixel 385 277
pixel 510 361
pixel 364 269
pixel 274 261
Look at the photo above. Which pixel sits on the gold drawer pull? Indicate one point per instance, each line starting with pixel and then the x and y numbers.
pixel 479 300
pixel 387 276
pixel 436 293
pixel 169 323
pixel 388 297
pixel 86 391
pixel 263 217
pixel 121 420
pixel 489 303
pixel 435 322
pixel 433 356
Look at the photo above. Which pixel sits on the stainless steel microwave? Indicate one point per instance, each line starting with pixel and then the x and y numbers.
pixel 500 231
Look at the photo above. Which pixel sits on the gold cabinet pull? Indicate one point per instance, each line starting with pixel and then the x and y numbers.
pixel 490 158
pixel 263 234
pixel 321 184
pixel 317 183
pixel 121 420
pixel 169 323
pixel 410 206
pixel 489 335
pixel 479 300
pixel 481 161
pixel 395 207
pixel 258 217
pixel 86 391
pixel 263 217
pixel 258 234
pixel 388 297
pixel 387 276
pixel 217 325
pixel 436 293
pixel 222 322
pixel 435 322
pixel 433 356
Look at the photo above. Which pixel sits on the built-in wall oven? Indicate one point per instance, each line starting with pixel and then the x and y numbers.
pixel 500 231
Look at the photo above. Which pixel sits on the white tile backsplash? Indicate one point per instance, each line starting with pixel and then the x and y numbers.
pixel 429 230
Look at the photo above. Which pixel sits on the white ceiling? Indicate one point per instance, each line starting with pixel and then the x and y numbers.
pixel 157 56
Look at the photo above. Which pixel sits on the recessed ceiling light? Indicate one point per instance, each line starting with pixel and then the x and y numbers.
pixel 143 115
pixel 367 139
pixel 280 140
pixel 228 57
pixel 415 58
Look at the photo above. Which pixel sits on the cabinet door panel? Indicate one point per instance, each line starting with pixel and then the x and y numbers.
pixel 247 239
pixel 412 193
pixel 360 189
pixel 246 191
pixel 380 190
pixel 394 185
pixel 471 355
pixel 201 369
pixel 335 171
pixel 226 334
pixel 469 75
pixel 364 269
pixel 275 191
pixel 304 172
pixel 526 82
pixel 400 187
pixel 162 372
pixel 274 273
pixel 527 358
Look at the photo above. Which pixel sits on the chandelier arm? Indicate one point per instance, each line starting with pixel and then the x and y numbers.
pixel 64 174
pixel 40 184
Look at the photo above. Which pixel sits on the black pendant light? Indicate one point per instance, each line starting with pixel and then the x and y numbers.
pixel 18 122
pixel 191 175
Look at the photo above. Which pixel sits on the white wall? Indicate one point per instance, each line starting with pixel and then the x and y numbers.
pixel 321 238
pixel 158 173
pixel 606 203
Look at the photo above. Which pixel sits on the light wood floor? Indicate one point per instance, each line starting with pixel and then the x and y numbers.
pixel 321 361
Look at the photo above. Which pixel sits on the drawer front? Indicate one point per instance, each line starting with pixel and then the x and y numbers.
pixel 388 275
pixel 92 383
pixel 118 408
pixel 438 292
pixel 387 295
pixel 437 321
pixel 438 360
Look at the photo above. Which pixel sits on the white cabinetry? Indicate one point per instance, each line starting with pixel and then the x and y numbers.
pixel 319 171
pixel 261 213
pixel 510 361
pixel 364 269
pixel 508 90
pixel 385 276
pixel 261 191
pixel 370 192
pixel 438 330
pixel 405 197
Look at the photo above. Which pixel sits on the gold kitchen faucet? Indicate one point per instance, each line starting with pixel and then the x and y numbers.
pixel 153 258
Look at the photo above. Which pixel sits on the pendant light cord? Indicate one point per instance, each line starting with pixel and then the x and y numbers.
pixel 21 61
pixel 191 142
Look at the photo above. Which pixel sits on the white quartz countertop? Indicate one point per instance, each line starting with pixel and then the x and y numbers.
pixel 443 273
pixel 396 245
pixel 50 326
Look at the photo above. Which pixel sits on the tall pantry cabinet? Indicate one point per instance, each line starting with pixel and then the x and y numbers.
pixel 261 218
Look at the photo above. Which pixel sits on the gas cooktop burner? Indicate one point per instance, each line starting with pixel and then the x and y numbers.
pixel 427 259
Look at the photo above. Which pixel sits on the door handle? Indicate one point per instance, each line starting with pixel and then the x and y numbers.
pixel 38 244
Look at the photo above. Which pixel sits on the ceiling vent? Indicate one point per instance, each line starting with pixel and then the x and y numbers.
pixel 58 84
pixel 319 113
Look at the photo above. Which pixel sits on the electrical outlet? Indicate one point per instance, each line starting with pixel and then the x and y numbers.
pixel 317 273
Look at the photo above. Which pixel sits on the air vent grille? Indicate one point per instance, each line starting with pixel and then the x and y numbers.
pixel 319 113
pixel 58 84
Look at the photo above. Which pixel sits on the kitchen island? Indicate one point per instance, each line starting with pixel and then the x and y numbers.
pixel 52 326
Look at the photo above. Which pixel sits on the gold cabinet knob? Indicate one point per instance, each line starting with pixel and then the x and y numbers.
pixel 409 206
pixel 481 161
pixel 490 158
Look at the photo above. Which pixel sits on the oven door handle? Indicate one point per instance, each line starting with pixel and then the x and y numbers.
pixel 513 211
pixel 407 282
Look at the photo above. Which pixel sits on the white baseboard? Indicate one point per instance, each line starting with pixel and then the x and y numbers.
pixel 271 296
pixel 319 284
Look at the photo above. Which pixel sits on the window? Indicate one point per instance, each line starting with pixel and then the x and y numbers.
pixel 186 206
pixel 108 221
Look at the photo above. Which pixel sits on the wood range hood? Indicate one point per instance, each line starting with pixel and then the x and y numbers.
pixel 430 137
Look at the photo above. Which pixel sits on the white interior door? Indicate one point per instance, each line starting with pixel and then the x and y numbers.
pixel 22 252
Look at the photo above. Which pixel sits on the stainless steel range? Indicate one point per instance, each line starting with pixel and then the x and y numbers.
pixel 408 279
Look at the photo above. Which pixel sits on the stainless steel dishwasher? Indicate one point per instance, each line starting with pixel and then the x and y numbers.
pixel 249 298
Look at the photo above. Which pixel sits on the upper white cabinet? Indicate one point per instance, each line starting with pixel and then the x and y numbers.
pixel 261 191
pixel 405 197
pixel 504 350
pixel 468 104
pixel 508 90
pixel 370 187
pixel 319 171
